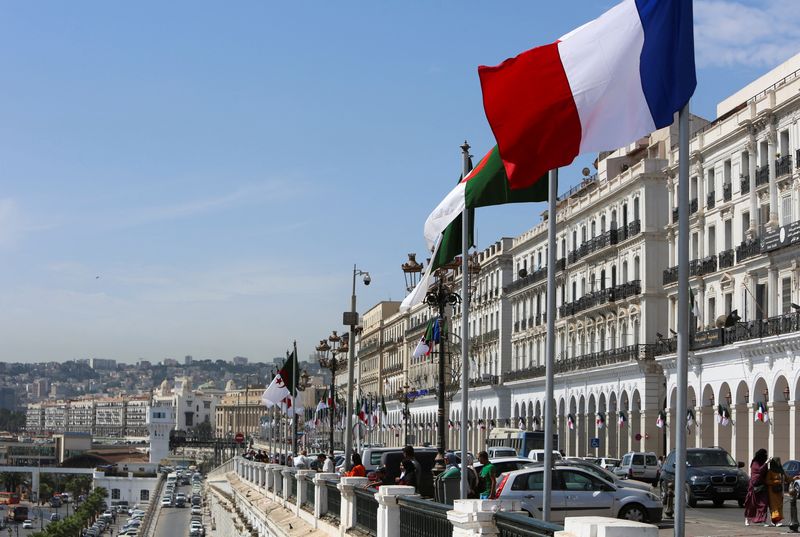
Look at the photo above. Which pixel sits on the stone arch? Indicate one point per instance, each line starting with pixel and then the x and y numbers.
pixel 706 415
pixel 612 422
pixel 742 422
pixel 725 432
pixel 760 431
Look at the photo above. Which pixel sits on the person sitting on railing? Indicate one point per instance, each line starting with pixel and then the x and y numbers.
pixel 358 469
pixel 409 475
pixel 377 478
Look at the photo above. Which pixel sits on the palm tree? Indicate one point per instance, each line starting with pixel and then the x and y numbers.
pixel 12 480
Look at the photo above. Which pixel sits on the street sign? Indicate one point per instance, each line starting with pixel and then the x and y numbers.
pixel 594 443
pixel 239 438
pixel 350 318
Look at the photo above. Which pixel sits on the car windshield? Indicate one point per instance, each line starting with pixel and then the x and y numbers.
pixel 709 458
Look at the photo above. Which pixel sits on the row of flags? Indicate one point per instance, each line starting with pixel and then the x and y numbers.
pixel 430 338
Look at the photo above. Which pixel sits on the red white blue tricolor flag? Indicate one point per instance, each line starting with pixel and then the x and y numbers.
pixel 599 87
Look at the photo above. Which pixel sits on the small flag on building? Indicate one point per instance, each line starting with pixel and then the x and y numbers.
pixel 600 420
pixel 521 423
pixel 761 412
pixel 723 415
pixel 570 422
pixel 661 420
pixel 690 419
pixel 622 419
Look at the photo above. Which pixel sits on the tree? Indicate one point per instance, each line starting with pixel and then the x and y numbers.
pixel 12 480
pixel 203 431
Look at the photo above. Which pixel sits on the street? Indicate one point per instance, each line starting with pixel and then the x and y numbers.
pixel 727 521
pixel 173 521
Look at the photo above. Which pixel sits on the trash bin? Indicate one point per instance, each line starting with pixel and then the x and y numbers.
pixel 448 489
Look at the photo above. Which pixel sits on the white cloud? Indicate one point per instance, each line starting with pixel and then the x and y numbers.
pixel 759 33
pixel 15 223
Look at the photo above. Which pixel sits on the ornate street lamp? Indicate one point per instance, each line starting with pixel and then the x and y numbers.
pixel 442 294
pixel 327 359
pixel 411 271
pixel 404 396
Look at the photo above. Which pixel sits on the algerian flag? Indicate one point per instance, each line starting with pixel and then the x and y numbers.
pixel 696 311
pixel 422 347
pixel 689 418
pixel 283 385
pixel 622 418
pixel 486 185
pixel 384 411
pixel 321 405
pixel 723 415
pixel 599 420
pixel 661 420
pixel 761 413
pixel 570 421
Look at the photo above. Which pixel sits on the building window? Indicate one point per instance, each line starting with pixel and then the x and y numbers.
pixel 745 224
pixel 728 303
pixel 786 295
pixel 115 494
pixel 786 210
pixel 712 311
pixel 712 240
pixel 144 495
pixel 728 234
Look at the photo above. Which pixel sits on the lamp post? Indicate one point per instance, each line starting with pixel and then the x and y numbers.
pixel 301 385
pixel 404 397
pixel 327 358
pixel 441 295
pixel 350 318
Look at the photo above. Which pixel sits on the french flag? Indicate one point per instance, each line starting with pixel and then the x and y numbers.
pixel 600 87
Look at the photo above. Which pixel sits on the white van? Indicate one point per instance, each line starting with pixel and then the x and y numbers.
pixel 537 455
pixel 500 451
pixel 638 465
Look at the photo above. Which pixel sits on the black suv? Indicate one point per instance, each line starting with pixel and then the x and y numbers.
pixel 711 474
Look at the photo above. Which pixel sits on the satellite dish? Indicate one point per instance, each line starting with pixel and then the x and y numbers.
pixel 585 172
pixel 522 273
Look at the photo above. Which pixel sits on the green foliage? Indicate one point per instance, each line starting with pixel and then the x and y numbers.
pixel 82 517
pixel 12 480
pixel 11 421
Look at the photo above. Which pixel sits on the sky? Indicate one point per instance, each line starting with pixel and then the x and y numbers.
pixel 201 177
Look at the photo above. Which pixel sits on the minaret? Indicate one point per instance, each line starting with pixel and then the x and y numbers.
pixel 160 421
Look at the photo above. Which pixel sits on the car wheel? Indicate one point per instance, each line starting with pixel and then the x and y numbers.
pixel 691 501
pixel 719 503
pixel 634 512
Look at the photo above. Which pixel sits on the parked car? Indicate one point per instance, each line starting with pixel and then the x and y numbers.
pixel 506 464
pixel 792 469
pixel 711 474
pixel 608 475
pixel 537 455
pixel 639 465
pixel 495 452
pixel 576 492
pixel 54 517
pixel 27 524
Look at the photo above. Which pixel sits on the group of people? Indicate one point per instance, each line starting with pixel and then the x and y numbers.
pixel 764 501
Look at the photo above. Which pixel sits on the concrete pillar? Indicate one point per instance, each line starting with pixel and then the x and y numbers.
pixel 772 140
pixel 389 510
pixel 269 475
pixel 321 493
pixel 751 450
pixel 304 478
pixel 605 527
pixel 277 480
pixel 773 308
pixel 792 430
pixel 35 474
pixel 348 512
pixel 288 479
pixel 475 518
pixel 751 170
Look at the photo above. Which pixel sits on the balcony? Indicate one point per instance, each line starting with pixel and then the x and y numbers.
pixel 670 275
pixel 693 206
pixel 484 380
pixel 483 339
pixel 727 192
pixel 711 199
pixel 745 184
pixel 675 215
pixel 603 296
pixel 718 337
pixel 747 249
pixel 797 158
pixel 762 175
pixel 608 238
pixel 726 259
pixel 699 267
pixel 783 165
pixel 537 275
pixel 630 353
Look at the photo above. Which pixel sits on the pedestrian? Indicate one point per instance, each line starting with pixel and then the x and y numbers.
pixel 488 484
pixel 301 461
pixel 408 453
pixel 357 469
pixel 330 465
pixel 756 503
pixel 409 477
pixel 775 480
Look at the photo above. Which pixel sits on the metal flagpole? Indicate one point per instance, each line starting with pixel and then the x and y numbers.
pixel 293 396
pixel 464 332
pixel 679 428
pixel 550 353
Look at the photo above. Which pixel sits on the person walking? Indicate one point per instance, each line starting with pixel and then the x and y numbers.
pixel 756 503
pixel 330 465
pixel 774 481
pixel 488 476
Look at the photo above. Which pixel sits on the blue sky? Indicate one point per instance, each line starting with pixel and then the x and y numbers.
pixel 198 178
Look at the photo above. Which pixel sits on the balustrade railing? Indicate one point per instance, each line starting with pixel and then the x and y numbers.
pixel 727 192
pixel 485 380
pixel 603 296
pixel 605 358
pixel 311 495
pixel 726 259
pixel 747 249
pixel 423 518
pixel 762 175
pixel 608 238
pixel 366 511
pixel 783 165
pixel 693 206
pixel 292 492
pixel 334 507
pixel 515 525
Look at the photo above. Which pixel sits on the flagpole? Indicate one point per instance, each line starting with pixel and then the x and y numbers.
pixel 550 343
pixel 683 320
pixel 464 486
pixel 295 385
